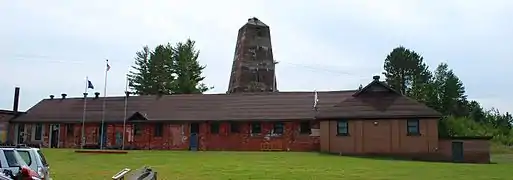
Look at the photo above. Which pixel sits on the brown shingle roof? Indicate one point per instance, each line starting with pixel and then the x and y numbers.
pixel 245 106
pixel 377 100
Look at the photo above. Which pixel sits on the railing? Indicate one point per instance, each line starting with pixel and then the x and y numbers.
pixel 144 173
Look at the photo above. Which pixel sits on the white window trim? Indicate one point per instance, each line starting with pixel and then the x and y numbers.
pixel 33 134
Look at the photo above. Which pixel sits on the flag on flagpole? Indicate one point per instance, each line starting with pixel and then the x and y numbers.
pixel 102 128
pixel 108 66
pixel 89 85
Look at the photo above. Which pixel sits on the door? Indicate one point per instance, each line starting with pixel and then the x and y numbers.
pixel 21 134
pixel 457 151
pixel 119 138
pixel 54 140
pixel 193 139
pixel 102 138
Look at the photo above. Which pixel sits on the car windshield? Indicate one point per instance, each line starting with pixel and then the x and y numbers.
pixel 43 159
pixel 14 159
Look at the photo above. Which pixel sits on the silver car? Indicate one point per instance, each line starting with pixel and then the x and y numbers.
pixel 11 160
pixel 35 159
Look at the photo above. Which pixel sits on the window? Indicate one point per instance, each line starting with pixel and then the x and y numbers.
pixel 256 128
pixel 25 155
pixel 38 132
pixel 304 127
pixel 11 158
pixel 137 129
pixel 214 127
pixel 413 127
pixel 42 156
pixel 278 128
pixel 159 128
pixel 342 128
pixel 69 129
pixel 234 127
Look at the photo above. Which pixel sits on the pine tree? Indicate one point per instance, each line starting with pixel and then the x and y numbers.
pixel 152 72
pixel 140 78
pixel 406 72
pixel 188 69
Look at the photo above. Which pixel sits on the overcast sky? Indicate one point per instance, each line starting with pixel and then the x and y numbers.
pixel 49 47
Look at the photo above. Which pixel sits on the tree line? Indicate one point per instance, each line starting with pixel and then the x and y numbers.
pixel 442 90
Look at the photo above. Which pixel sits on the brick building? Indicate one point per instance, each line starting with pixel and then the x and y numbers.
pixel 374 120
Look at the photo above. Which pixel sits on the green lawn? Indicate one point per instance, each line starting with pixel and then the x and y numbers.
pixel 65 164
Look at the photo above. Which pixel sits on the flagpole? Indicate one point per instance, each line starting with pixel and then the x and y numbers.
pixel 103 108
pixel 82 139
pixel 124 117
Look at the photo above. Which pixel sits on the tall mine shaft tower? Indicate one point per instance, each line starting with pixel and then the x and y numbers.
pixel 253 63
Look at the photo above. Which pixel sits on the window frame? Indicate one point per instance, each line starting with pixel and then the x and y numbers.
pixel 277 128
pixel 158 130
pixel 70 129
pixel 215 127
pixel 416 126
pixel 302 129
pixel 38 136
pixel 20 152
pixel 339 128
pixel 137 129
pixel 234 127
pixel 252 125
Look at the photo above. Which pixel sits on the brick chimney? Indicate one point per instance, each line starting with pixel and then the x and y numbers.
pixel 63 95
pixel 96 95
pixel 52 96
pixel 16 102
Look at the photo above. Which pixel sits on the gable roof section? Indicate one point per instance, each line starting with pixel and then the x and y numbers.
pixel 377 101
pixel 187 107
pixel 8 115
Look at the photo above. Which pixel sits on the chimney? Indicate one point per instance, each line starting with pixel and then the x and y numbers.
pixel 85 95
pixel 63 95
pixel 96 95
pixel 52 96
pixel 376 78
pixel 127 93
pixel 16 102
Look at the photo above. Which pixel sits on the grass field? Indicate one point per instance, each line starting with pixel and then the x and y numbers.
pixel 65 164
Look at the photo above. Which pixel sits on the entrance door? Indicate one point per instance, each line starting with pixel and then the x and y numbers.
pixel 193 139
pixel 457 151
pixel 119 138
pixel 54 141
pixel 21 134
pixel 102 136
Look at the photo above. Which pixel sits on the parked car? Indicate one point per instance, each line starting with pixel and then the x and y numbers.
pixel 36 160
pixel 13 165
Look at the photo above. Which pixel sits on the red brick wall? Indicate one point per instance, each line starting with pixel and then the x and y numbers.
pixel 175 136
pixel 474 151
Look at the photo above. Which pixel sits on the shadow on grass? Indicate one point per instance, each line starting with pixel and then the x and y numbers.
pixel 405 159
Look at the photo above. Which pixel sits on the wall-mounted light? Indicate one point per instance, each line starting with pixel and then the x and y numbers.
pixel 375 123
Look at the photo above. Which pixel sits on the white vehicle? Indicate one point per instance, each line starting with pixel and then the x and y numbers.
pixel 35 159
pixel 11 160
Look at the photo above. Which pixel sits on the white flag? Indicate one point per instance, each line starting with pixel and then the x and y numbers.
pixel 316 100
